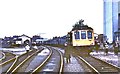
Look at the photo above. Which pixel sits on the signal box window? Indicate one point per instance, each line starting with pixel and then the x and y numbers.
pixel 83 34
pixel 89 33
pixel 77 35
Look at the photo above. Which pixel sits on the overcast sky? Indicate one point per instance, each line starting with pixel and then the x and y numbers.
pixel 48 17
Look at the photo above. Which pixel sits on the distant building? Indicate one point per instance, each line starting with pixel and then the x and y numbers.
pixel 57 40
pixel 25 38
pixel 34 38
pixel 37 40
pixel 21 39
pixel 15 40
pixel 7 42
pixel 110 19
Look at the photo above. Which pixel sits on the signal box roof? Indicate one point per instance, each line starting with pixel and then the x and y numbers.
pixel 80 26
pixel 85 27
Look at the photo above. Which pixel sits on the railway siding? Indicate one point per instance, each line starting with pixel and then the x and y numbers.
pixel 19 59
pixel 21 65
pixel 100 66
pixel 93 69
pixel 6 56
pixel 107 63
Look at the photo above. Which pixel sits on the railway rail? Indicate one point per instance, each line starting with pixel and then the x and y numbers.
pixel 10 65
pixel 6 56
pixel 53 62
pixel 98 66
pixel 2 56
pixel 18 67
pixel 55 58
pixel 17 64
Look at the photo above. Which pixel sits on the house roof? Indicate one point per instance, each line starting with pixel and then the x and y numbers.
pixel 25 36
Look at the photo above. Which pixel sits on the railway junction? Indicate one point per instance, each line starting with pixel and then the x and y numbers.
pixel 51 59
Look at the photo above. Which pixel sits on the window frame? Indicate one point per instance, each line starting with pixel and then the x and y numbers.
pixel 76 35
pixel 89 37
pixel 83 33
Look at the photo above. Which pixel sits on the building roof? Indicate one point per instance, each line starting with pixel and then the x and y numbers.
pixel 25 36
pixel 82 28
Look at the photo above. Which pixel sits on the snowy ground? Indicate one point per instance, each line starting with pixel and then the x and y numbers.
pixel 16 51
pixel 110 57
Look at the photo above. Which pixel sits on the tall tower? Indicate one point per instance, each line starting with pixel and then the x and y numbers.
pixel 119 14
pixel 110 19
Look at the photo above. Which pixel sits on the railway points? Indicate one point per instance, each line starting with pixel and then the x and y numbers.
pixel 7 56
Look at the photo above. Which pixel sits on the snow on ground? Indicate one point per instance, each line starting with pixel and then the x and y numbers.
pixel 35 47
pixel 13 49
pixel 110 57
pixel 17 51
pixel 44 52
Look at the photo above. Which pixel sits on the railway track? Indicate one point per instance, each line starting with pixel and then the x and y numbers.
pixel 18 69
pixel 94 65
pixel 52 60
pixel 18 61
pixel 6 56
pixel 2 56
pixel 19 64
pixel 12 64
pixel 53 63
pixel 98 66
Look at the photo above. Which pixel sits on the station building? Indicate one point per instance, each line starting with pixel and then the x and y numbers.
pixel 111 19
